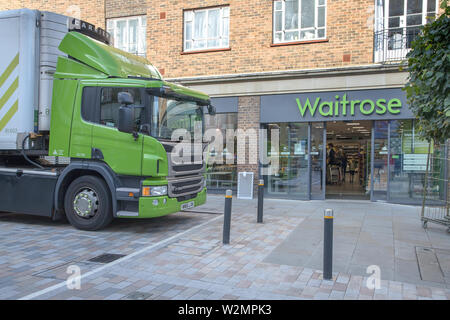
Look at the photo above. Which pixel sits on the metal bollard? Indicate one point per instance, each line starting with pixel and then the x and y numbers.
pixel 328 245
pixel 260 201
pixel 227 217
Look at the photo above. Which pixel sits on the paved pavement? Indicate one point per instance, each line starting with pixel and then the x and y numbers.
pixel 181 256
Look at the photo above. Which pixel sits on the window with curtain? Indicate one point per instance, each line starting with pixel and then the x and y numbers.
pixel 299 20
pixel 129 34
pixel 206 28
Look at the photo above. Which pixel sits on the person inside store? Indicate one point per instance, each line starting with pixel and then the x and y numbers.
pixel 353 165
pixel 343 163
pixel 331 154
pixel 361 161
pixel 332 162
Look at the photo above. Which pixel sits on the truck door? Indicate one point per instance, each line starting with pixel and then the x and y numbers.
pixel 121 151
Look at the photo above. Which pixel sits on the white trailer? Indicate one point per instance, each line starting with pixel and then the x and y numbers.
pixel 30 40
pixel 27 63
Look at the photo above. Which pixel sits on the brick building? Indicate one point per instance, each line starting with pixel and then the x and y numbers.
pixel 321 71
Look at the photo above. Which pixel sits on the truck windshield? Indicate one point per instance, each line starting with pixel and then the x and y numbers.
pixel 170 114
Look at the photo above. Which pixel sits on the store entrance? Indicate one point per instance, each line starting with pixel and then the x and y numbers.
pixel 348 160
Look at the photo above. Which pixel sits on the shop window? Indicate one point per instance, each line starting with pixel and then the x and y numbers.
pixel 129 34
pixel 291 179
pixel 222 176
pixel 408 161
pixel 380 160
pixel 299 20
pixel 206 29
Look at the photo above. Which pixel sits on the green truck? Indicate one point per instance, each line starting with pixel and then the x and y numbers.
pixel 85 128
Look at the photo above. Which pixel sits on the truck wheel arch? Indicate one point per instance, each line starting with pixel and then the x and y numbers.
pixel 80 168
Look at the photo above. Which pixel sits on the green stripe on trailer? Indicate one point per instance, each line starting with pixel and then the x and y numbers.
pixel 11 112
pixel 12 88
pixel 13 64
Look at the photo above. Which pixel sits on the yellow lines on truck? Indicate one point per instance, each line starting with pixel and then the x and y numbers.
pixel 9 92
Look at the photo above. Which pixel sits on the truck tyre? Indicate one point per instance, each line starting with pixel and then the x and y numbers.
pixel 87 203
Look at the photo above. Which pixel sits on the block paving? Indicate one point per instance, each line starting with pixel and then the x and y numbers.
pixel 165 259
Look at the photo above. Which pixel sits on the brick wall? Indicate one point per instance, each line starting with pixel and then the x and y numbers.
pixel 349 32
pixel 92 11
pixel 117 9
pixel 9 5
pixel 248 118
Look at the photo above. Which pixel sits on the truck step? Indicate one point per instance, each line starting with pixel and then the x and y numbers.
pixel 127 214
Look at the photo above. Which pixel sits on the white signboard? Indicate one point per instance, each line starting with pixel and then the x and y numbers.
pixel 415 162
pixel 245 185
pixel 299 148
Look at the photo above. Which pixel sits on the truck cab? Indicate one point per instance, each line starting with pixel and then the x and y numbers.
pixel 116 120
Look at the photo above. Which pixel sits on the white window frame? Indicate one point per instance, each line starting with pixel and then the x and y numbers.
pixel 299 29
pixel 382 52
pixel 224 40
pixel 141 35
pixel 404 15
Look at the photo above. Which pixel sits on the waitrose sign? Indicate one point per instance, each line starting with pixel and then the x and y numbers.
pixel 344 106
pixel 377 104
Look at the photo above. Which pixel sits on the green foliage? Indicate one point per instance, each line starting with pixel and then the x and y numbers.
pixel 428 87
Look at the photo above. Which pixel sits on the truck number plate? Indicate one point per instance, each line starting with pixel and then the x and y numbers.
pixel 187 205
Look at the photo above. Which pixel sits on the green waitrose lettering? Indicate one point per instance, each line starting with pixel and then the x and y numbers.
pixel 339 107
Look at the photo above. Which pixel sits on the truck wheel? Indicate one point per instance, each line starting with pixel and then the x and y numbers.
pixel 87 203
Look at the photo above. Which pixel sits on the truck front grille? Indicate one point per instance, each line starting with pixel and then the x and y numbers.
pixel 183 186
pixel 188 169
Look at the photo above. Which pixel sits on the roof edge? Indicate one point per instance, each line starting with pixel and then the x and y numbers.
pixel 288 73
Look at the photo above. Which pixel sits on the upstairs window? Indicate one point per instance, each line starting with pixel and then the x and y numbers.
pixel 129 34
pixel 397 24
pixel 299 20
pixel 206 29
pixel 405 17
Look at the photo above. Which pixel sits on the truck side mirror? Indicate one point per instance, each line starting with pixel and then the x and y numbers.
pixel 126 119
pixel 211 110
pixel 124 97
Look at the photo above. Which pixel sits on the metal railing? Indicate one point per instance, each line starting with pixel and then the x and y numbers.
pixel 392 45
pixel 436 197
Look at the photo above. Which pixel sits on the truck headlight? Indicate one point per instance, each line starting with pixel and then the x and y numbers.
pixel 150 191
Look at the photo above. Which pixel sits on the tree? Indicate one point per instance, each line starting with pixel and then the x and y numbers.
pixel 428 86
